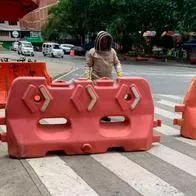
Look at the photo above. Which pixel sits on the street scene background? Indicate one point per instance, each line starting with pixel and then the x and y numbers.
pixel 155 40
pixel 167 168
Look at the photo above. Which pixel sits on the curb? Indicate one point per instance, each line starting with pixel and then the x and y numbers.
pixel 161 63
pixel 62 74
pixel 146 60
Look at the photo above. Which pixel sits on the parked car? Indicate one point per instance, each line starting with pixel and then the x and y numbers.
pixel 15 46
pixel 52 49
pixel 25 48
pixel 66 48
pixel 79 50
pixel 38 48
pixel 88 46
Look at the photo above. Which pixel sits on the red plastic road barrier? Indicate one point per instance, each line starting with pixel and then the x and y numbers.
pixel 193 57
pixel 11 70
pixel 188 109
pixel 193 60
pixel 81 106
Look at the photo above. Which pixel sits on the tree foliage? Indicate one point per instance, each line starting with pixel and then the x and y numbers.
pixel 123 18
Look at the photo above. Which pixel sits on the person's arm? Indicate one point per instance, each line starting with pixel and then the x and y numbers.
pixel 117 64
pixel 88 65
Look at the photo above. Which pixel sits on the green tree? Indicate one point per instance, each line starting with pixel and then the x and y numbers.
pixel 186 15
pixel 123 18
pixel 77 18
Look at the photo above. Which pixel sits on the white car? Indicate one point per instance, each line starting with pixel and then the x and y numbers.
pixel 66 47
pixel 52 49
pixel 25 48
pixel 15 46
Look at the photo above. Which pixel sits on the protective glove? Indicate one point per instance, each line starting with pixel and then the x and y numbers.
pixel 120 73
pixel 87 75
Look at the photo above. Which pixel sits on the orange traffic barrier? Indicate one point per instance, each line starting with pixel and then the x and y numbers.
pixel 69 117
pixel 188 109
pixel 193 60
pixel 192 57
pixel 72 52
pixel 11 70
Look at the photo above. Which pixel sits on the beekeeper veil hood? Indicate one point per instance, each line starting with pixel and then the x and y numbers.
pixel 99 38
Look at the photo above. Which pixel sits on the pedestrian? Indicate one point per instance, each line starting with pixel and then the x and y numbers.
pixel 101 59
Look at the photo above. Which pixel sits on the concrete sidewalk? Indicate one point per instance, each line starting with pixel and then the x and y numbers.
pixel 159 63
pixel 154 61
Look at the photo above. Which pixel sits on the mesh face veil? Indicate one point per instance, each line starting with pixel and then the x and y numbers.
pixel 99 38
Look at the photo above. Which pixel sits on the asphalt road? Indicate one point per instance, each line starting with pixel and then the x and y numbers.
pixel 168 168
pixel 164 78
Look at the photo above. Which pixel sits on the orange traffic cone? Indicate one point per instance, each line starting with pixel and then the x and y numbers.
pixel 72 52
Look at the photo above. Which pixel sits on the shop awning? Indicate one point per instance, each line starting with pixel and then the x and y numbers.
pixel 34 39
pixel 14 10
pixel 149 34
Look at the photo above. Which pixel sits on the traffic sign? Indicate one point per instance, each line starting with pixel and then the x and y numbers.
pixel 15 34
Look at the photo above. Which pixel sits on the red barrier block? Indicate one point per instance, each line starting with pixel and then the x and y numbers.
pixel 11 70
pixel 193 60
pixel 188 109
pixel 81 106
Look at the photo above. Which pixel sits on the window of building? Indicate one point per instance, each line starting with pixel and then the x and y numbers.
pixel 4 33
pixel 12 22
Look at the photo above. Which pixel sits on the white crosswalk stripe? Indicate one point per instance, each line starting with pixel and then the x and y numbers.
pixel 167 103
pixel 63 176
pixel 188 141
pixel 136 176
pixel 166 113
pixel 175 97
pixel 60 178
pixel 168 130
pixel 175 158
pixel 2 114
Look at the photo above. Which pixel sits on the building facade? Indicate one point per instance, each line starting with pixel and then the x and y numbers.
pixel 36 19
pixel 10 31
pixel 28 28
